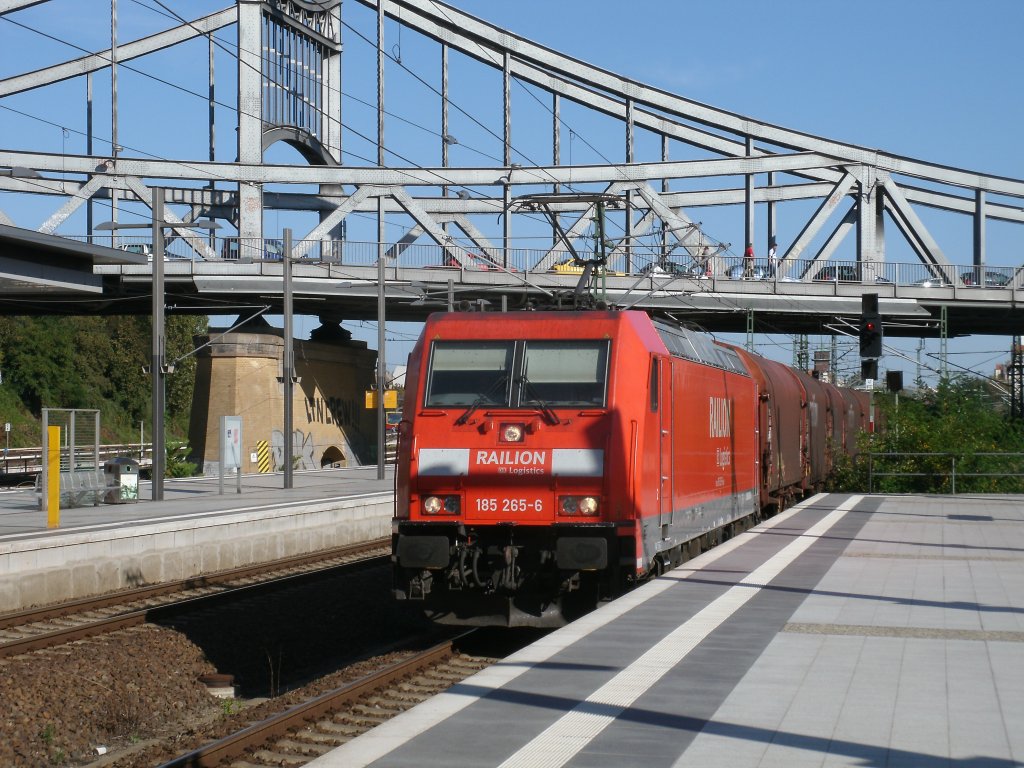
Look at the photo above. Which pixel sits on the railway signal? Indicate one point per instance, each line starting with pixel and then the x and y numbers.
pixel 870 327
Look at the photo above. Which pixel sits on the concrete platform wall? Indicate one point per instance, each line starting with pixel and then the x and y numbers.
pixel 65 566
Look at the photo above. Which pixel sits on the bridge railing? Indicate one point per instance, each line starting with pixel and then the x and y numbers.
pixel 935 472
pixel 641 262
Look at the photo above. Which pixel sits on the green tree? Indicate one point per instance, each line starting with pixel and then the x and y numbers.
pixel 95 362
pixel 961 420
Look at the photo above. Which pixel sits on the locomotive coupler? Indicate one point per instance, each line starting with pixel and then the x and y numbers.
pixel 469 562
pixel 419 585
pixel 507 577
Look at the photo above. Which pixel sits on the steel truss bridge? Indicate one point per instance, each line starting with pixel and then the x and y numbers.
pixel 862 205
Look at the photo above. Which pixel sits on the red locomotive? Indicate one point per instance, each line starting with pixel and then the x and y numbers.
pixel 549 460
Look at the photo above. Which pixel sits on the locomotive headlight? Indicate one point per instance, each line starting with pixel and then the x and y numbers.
pixel 512 433
pixel 438 505
pixel 578 505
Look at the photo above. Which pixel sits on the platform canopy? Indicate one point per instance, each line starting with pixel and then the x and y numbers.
pixel 32 261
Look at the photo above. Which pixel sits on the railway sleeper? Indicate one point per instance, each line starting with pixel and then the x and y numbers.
pixel 319 736
pixel 361 721
pixel 372 720
pixel 412 688
pixel 279 758
pixel 444 675
pixel 304 747
pixel 341 730
pixel 386 704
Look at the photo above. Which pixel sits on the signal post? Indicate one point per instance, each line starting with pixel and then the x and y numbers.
pixel 870 344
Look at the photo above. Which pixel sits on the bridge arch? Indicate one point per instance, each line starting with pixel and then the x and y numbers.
pixel 305 143
pixel 332 457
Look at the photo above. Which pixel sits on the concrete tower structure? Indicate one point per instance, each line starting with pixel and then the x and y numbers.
pixel 238 374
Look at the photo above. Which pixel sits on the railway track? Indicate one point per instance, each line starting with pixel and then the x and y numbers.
pixel 302 733
pixel 39 628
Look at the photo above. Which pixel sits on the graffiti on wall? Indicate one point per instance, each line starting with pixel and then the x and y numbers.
pixel 302 449
pixel 332 410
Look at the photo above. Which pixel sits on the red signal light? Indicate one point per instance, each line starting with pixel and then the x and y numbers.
pixel 870 336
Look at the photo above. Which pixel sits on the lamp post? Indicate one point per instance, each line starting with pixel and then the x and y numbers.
pixel 381 341
pixel 159 343
pixel 158 362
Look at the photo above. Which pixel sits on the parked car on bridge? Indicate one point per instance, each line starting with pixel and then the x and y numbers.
pixel 475 261
pixel 273 249
pixel 571 267
pixel 738 272
pixel 843 273
pixel 994 277
pixel 692 271
pixel 142 249
pixel 934 281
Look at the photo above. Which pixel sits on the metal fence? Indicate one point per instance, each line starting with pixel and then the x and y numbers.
pixel 675 264
pixel 79 437
pixel 991 472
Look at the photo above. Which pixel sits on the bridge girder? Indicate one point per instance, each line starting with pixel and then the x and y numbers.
pixel 856 186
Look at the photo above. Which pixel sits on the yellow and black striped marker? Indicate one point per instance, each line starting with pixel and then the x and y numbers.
pixel 262 456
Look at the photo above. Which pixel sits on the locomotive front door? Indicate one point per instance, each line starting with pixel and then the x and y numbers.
pixel 666 460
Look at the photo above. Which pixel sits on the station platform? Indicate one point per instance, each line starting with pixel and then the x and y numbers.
pixel 847 631
pixel 194 530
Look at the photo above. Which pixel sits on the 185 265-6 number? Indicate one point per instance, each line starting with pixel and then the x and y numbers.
pixel 509 505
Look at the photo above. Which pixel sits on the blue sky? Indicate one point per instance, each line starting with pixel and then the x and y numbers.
pixel 936 80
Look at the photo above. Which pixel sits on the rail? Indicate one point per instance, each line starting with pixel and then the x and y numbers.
pixel 221 585
pixel 938 472
pixel 235 745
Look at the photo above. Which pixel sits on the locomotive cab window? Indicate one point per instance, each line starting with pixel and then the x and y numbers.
pixel 523 374
pixel 463 373
pixel 564 373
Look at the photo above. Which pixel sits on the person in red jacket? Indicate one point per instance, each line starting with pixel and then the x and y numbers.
pixel 748 262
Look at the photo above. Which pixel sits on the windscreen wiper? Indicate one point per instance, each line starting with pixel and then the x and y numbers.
pixel 483 398
pixel 546 411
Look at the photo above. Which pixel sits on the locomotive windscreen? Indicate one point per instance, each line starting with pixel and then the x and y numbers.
pixel 463 373
pixel 520 374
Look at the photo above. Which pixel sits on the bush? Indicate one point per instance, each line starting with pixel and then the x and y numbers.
pixel 963 420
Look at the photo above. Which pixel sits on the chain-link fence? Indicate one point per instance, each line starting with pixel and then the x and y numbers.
pixel 80 474
pixel 79 437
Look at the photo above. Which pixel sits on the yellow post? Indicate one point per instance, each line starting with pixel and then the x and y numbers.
pixel 53 477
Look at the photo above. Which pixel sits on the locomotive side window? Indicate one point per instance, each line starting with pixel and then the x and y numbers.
pixel 654 384
pixel 464 373
pixel 564 373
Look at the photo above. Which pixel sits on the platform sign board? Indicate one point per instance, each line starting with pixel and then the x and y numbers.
pixel 390 399
pixel 231 449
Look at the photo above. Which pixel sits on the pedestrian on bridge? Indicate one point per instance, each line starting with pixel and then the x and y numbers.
pixel 748 262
